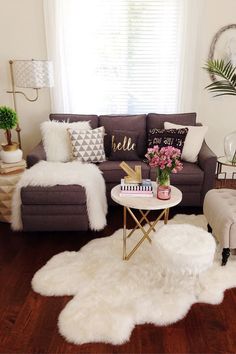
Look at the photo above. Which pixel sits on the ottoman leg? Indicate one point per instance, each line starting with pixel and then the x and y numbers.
pixel 209 229
pixel 225 256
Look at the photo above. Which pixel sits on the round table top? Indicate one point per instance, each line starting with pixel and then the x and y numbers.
pixel 223 161
pixel 147 203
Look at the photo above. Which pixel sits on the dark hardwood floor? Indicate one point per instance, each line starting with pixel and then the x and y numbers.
pixel 28 321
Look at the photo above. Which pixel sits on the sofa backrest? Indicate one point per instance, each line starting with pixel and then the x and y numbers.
pixel 127 122
pixel 75 118
pixel 155 120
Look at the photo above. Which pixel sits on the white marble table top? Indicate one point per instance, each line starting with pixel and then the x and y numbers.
pixel 147 203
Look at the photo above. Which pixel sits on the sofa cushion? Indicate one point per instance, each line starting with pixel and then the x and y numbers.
pixel 112 172
pixel 193 141
pixel 167 137
pixel 56 140
pixel 60 194
pixel 124 145
pixel 190 174
pixel 87 146
pixel 71 118
pixel 135 123
pixel 155 120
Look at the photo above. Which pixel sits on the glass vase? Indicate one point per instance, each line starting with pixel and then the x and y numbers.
pixel 163 185
pixel 230 147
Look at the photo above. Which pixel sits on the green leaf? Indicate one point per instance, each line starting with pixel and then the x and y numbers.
pixel 8 118
pixel 225 71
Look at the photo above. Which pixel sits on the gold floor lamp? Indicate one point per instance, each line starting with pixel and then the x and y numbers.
pixel 35 74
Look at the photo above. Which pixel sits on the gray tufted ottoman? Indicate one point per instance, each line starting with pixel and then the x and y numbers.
pixel 219 208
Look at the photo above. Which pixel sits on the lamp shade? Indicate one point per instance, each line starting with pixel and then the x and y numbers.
pixel 33 73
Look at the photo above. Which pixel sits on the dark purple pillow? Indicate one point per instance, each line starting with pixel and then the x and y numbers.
pixel 124 145
pixel 167 137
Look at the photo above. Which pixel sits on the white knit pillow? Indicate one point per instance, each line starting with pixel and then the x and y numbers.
pixel 193 141
pixel 88 146
pixel 56 141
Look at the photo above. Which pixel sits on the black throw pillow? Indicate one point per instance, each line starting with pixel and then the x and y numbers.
pixel 124 145
pixel 167 137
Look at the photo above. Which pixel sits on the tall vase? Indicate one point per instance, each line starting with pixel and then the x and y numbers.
pixel 230 147
pixel 163 184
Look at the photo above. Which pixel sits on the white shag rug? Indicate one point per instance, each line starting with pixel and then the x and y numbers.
pixel 111 296
pixel 47 174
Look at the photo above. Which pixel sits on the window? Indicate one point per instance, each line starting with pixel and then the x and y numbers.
pixel 116 56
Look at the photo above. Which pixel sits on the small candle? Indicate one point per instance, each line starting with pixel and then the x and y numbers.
pixel 163 192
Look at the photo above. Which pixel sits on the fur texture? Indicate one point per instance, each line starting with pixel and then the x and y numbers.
pixel 56 140
pixel 52 173
pixel 111 296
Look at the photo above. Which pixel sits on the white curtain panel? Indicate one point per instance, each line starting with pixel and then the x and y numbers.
pixel 126 56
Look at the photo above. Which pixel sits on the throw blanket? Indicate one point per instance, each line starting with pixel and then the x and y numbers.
pixel 46 174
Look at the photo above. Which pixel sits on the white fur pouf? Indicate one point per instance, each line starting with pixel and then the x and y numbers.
pixel 185 249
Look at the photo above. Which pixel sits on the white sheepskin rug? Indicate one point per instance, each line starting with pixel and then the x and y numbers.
pixel 47 174
pixel 111 296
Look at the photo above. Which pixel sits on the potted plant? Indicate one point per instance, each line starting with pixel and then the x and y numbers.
pixel 8 120
pixel 224 83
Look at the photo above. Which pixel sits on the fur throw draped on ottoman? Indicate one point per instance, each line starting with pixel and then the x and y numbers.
pixel 48 174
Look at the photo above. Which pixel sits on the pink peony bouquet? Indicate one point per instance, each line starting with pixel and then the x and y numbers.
pixel 166 159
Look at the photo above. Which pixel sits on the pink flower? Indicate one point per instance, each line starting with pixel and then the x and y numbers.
pixel 166 158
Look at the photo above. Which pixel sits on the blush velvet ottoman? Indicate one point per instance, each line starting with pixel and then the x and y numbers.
pixel 57 208
pixel 219 208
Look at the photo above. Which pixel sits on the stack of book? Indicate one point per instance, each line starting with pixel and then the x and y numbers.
pixel 12 168
pixel 143 189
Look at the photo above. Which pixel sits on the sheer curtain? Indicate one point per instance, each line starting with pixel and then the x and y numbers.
pixel 126 56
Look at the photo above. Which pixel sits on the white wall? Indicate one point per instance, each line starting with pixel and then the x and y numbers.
pixel 218 113
pixel 22 36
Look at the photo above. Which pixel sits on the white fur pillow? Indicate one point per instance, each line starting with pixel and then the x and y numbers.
pixel 193 141
pixel 56 139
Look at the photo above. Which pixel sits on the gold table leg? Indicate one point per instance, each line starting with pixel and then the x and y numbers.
pixel 124 233
pixel 166 215
pixel 139 226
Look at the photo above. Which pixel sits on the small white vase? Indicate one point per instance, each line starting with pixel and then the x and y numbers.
pixel 11 156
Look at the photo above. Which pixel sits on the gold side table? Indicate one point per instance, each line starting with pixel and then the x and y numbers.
pixel 7 187
pixel 144 205
pixel 222 161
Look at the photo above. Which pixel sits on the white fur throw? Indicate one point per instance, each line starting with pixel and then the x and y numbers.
pixel 45 174
pixel 56 141
pixel 111 296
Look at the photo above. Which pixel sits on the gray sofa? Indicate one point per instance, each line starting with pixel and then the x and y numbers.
pixel 64 207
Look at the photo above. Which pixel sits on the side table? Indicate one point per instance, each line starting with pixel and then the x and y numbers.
pixel 222 161
pixel 7 186
pixel 144 205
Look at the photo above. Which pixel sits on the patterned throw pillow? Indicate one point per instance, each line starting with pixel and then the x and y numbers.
pixel 167 137
pixel 124 145
pixel 88 146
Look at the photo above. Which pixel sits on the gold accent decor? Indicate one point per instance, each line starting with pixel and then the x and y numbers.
pixel 12 147
pixel 125 145
pixel 134 176
pixel 7 187
pixel 35 76
pixel 139 226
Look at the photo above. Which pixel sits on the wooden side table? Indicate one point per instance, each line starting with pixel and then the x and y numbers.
pixel 7 187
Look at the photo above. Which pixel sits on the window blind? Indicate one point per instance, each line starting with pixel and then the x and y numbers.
pixel 121 56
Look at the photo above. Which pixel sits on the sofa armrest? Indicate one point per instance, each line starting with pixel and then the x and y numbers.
pixel 207 161
pixel 36 155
